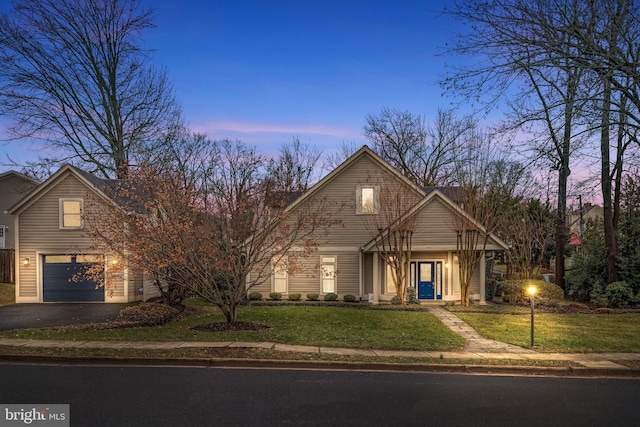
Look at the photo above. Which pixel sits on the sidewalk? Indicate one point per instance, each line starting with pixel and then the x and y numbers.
pixel 477 348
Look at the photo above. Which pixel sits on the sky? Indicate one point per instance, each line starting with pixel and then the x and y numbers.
pixel 267 71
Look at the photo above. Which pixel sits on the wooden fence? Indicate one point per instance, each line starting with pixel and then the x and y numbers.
pixel 7 266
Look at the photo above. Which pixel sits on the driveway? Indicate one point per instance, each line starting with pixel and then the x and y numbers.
pixel 21 316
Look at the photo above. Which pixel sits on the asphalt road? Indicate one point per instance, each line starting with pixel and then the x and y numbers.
pixel 20 316
pixel 157 396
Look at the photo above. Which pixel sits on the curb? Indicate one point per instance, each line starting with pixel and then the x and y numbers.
pixel 327 365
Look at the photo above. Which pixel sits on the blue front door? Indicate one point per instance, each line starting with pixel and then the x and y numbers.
pixel 425 280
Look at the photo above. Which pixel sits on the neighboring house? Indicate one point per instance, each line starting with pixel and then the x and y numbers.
pixel 348 261
pixel 51 247
pixel 13 187
pixel 578 221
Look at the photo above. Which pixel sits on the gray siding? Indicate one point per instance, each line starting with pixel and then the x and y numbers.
pixel 40 233
pixel 12 189
pixel 435 226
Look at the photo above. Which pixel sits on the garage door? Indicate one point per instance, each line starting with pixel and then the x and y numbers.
pixel 62 279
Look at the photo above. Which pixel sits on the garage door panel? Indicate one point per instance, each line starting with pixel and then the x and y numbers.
pixel 58 284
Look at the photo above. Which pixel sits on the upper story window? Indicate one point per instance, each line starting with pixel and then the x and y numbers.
pixel 367 199
pixel 70 213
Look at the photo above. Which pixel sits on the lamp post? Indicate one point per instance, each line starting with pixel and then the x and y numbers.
pixel 532 293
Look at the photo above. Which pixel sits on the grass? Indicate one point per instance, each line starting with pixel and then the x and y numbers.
pixel 290 324
pixel 561 333
pixel 7 293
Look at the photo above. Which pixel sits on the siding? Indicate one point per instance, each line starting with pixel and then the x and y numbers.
pixel 40 234
pixel 435 226
pixel 12 189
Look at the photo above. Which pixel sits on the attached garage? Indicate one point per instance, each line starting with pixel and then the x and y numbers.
pixel 63 280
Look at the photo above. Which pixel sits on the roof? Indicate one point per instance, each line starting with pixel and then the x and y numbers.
pixel 436 193
pixel 102 187
pixel 19 175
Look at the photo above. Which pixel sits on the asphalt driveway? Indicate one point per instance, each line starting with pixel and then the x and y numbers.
pixel 21 316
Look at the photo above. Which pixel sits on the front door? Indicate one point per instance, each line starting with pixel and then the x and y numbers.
pixel 425 280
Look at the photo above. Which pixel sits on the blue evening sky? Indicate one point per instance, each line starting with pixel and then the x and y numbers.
pixel 268 71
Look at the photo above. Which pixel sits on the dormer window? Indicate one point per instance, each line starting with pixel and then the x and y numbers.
pixel 70 213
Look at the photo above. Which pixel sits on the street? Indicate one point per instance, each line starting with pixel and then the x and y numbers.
pixel 170 396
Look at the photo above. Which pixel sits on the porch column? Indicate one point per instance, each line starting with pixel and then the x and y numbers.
pixel 376 278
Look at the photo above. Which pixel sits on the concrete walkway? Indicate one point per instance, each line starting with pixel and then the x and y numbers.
pixel 476 343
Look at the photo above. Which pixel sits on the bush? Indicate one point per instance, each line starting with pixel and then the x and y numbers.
pixel 411 296
pixel 514 291
pixel 395 300
pixel 276 296
pixel 331 297
pixel 148 314
pixel 349 298
pixel 490 289
pixel 295 297
pixel 255 296
pixel 312 297
pixel 618 294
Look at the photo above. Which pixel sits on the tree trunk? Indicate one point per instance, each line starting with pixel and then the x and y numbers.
pixel 605 177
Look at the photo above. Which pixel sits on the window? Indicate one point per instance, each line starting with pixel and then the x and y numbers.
pixel 456 275
pixel 70 213
pixel 280 276
pixel 328 273
pixel 3 233
pixel 367 202
pixel 390 281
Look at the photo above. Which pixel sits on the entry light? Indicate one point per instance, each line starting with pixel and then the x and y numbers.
pixel 26 261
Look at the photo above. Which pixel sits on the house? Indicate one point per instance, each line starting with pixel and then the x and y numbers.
pixel 578 220
pixel 348 260
pixel 51 248
pixel 13 187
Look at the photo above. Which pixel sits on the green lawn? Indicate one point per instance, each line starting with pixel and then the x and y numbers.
pixel 564 333
pixel 303 325
pixel 7 293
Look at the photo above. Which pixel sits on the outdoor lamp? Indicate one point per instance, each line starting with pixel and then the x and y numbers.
pixel 532 293
pixel 26 261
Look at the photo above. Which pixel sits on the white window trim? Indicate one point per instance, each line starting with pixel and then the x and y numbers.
pixel 61 213
pixel 335 275
pixel 376 205
pixel 282 272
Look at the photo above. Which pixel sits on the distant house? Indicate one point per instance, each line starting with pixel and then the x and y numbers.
pixel 348 260
pixel 13 187
pixel 52 249
pixel 578 221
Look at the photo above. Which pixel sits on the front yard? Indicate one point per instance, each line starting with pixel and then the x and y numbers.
pixel 7 293
pixel 290 324
pixel 560 333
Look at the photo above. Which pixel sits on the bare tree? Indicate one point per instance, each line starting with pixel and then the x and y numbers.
pixel 423 154
pixel 73 74
pixel 530 65
pixel 392 227
pixel 214 226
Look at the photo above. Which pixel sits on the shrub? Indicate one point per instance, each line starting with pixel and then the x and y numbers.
pixel 295 297
pixel 618 294
pixel 313 297
pixel 276 296
pixel 148 314
pixel 490 289
pixel 515 291
pixel 395 300
pixel 331 297
pixel 411 297
pixel 255 296
pixel 349 298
